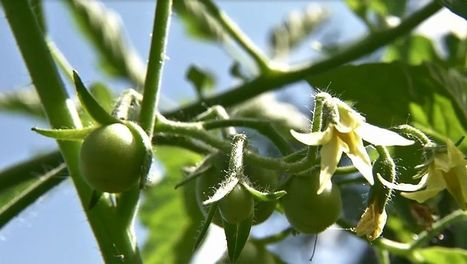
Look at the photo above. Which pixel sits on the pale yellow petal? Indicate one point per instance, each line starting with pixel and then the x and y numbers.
pixel 434 185
pixel 455 154
pixel 330 155
pixel 405 187
pixel 456 183
pixel 380 136
pixel 357 153
pixel 313 138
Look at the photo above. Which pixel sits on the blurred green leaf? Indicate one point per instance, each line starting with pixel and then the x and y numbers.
pixel 198 23
pixel 436 255
pixel 389 94
pixel 22 101
pixel 25 182
pixel 201 79
pixel 380 8
pixel 456 49
pixel 415 50
pixel 458 7
pixel 172 216
pixel 295 29
pixel 103 29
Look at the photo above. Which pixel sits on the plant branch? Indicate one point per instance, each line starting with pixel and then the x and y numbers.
pixel 61 113
pixel 278 79
pixel 237 35
pixel 155 65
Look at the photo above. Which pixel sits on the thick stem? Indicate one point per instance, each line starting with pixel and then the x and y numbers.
pixel 62 113
pixel 155 65
pixel 278 79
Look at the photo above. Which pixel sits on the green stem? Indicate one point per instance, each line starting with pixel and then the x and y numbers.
pixel 155 65
pixel 383 256
pixel 62 113
pixel 236 34
pixel 263 127
pixel 277 80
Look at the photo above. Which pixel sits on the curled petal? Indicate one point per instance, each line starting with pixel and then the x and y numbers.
pixel 313 138
pixel 360 159
pixel 405 187
pixel 330 155
pixel 381 137
pixel 422 196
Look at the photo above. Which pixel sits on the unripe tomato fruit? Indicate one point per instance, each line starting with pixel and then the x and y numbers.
pixel 307 211
pixel 111 158
pixel 207 183
pixel 251 254
pixel 237 205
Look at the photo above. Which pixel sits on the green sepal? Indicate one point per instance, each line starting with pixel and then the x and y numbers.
pixel 193 173
pixel 264 196
pixel 65 134
pixel 94 109
pixel 142 137
pixel 225 188
pixel 237 236
pixel 207 221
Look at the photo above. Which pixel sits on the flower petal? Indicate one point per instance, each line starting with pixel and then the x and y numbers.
pixel 434 185
pixel 313 138
pixel 405 187
pixel 380 136
pixel 357 153
pixel 330 155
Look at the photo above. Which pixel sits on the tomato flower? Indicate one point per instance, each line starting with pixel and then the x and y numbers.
pixel 344 133
pixel 447 170
pixel 371 223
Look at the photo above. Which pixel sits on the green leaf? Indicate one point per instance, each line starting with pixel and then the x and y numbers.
pixel 201 79
pixel 22 101
pixel 65 134
pixel 237 236
pixel 298 26
pixel 92 106
pixel 437 255
pixel 24 183
pixel 415 49
pixel 198 23
pixel 428 96
pixel 104 30
pixel 171 216
pixel 459 7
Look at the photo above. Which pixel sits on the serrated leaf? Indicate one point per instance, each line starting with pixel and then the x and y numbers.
pixel 237 236
pixel 65 134
pixel 104 30
pixel 92 106
pixel 23 101
pixel 171 216
pixel 198 23
pixel 435 255
pixel 264 196
pixel 24 183
pixel 298 26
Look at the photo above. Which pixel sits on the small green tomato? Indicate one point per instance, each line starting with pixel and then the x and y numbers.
pixel 111 158
pixel 237 205
pixel 307 211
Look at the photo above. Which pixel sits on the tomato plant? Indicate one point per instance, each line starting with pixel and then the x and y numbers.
pixel 111 158
pixel 307 211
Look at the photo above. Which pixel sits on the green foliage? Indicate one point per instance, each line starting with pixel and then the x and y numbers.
pixel 434 255
pixel 173 215
pixel 202 80
pixel 23 101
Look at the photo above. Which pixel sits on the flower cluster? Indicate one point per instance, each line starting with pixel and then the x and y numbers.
pixel 345 134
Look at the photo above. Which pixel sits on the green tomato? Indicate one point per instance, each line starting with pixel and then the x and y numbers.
pixel 111 158
pixel 237 205
pixel 261 178
pixel 307 211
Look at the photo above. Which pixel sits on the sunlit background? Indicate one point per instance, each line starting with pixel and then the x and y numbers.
pixel 54 229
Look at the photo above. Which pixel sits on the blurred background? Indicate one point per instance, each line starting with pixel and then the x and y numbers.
pixel 54 229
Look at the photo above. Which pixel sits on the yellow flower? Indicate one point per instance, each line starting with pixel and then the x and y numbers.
pixel 344 133
pixel 448 170
pixel 371 223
